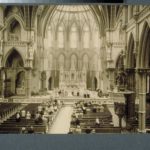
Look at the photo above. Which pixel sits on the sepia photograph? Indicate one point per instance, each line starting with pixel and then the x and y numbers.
pixel 74 69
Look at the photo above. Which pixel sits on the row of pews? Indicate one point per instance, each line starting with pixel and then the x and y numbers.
pixel 7 109
pixel 86 120
pixel 14 127
pixel 11 126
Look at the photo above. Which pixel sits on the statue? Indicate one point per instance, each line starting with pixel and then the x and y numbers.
pixel 121 80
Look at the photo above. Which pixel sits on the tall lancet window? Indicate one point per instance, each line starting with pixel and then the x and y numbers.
pixel 95 63
pixel 86 37
pixel 50 61
pixel 61 62
pixel 73 36
pixel 73 62
pixel 96 38
pixel 85 63
pixel 60 37
pixel 50 37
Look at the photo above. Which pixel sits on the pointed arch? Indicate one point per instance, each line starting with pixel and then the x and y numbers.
pixel 144 52
pixel 85 63
pixel 73 36
pixel 86 36
pixel 61 61
pixel 60 36
pixel 12 53
pixel 131 60
pixel 73 61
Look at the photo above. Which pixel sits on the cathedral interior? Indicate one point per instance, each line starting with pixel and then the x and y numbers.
pixel 74 69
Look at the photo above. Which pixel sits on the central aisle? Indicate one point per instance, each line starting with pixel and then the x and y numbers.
pixel 62 123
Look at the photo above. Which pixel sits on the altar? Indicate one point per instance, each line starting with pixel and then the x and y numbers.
pixel 72 79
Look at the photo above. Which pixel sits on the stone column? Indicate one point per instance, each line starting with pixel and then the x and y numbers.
pixel 2 84
pixel 142 104
pixel 28 82
pixel 125 15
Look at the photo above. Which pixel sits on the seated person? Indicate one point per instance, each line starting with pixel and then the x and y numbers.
pixel 101 108
pixel 37 118
pixel 23 130
pixel 33 114
pixel 18 118
pixel 40 108
pixel 94 110
pixel 28 115
pixel 88 130
pixel 55 108
pixel 93 131
pixel 77 122
pixel 78 129
pixel 51 109
pixel 97 122
pixel 84 110
pixel 31 130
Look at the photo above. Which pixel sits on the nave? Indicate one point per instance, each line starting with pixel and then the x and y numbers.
pixel 58 117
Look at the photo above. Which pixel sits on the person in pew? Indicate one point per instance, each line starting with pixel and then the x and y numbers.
pixel 88 130
pixel 40 108
pixel 93 131
pixel 32 114
pixel 51 109
pixel 78 129
pixel 84 110
pixel 18 118
pixel 31 130
pixel 94 110
pixel 28 115
pixel 97 122
pixel 73 121
pixel 77 122
pixel 101 108
pixel 23 130
pixel 55 108
pixel 37 118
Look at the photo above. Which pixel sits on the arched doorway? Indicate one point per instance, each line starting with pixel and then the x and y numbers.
pixel 14 64
pixel 20 83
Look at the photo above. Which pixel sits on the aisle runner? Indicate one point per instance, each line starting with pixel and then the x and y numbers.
pixel 62 122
